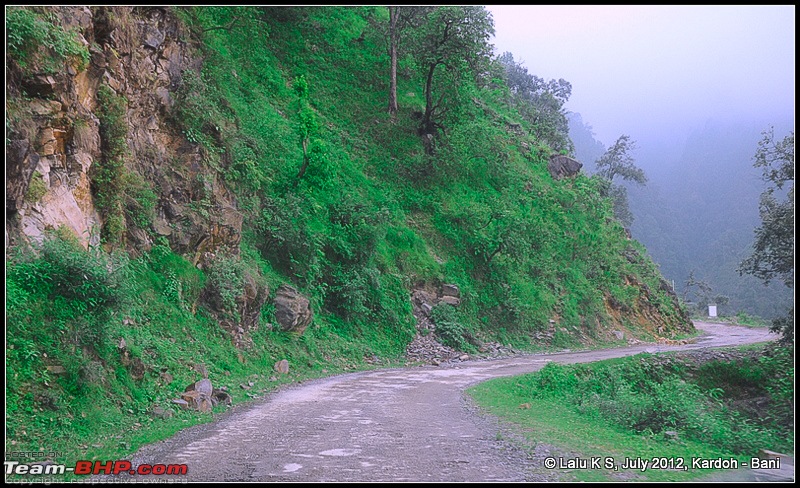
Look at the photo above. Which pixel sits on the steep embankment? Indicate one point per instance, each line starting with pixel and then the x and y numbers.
pixel 245 198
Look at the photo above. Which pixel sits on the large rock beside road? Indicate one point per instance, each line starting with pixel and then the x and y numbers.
pixel 282 366
pixel 292 310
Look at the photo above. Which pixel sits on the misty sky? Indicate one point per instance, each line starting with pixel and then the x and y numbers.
pixel 659 71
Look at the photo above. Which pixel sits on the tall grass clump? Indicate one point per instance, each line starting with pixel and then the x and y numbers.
pixel 648 396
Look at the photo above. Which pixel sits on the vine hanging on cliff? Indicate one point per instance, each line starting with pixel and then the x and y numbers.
pixel 108 177
pixel 307 126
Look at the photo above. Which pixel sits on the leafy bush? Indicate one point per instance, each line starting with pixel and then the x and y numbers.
pixel 672 404
pixel 553 380
pixel 228 278
pixel 356 229
pixel 179 281
pixel 647 396
pixel 28 32
pixel 287 238
pixel 36 188
pixel 88 280
pixel 108 178
pixel 779 363
pixel 449 329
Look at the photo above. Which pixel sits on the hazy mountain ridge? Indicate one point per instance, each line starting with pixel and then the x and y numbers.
pixel 700 208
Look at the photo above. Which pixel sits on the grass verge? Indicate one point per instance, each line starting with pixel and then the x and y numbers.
pixel 650 407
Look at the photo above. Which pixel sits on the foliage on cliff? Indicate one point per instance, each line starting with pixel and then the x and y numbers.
pixel 350 204
pixel 357 206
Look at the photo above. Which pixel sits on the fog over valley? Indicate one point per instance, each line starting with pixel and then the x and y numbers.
pixel 694 87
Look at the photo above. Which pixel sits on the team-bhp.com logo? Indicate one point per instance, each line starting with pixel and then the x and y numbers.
pixel 95 468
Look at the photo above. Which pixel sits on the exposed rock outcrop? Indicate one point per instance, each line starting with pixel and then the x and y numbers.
pixel 426 296
pixel 201 395
pixel 282 366
pixel 54 131
pixel 56 148
pixel 563 166
pixel 645 311
pixel 292 310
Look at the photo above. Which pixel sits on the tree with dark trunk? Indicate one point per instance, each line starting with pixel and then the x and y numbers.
pixel 453 40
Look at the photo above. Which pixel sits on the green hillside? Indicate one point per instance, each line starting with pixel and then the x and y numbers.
pixel 352 206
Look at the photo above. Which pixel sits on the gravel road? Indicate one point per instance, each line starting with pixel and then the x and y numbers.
pixel 411 424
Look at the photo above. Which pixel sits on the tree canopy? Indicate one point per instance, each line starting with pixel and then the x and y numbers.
pixel 540 102
pixel 773 250
pixel 451 43
pixel 618 162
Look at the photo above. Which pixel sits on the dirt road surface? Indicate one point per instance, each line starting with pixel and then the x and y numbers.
pixel 411 424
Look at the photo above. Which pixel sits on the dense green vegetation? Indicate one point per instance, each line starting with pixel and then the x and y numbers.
pixel 645 406
pixel 34 39
pixel 348 203
pixel 773 250
pixel 373 211
pixel 95 341
pixel 108 177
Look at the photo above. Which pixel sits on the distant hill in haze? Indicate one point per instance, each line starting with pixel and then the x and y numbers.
pixel 699 210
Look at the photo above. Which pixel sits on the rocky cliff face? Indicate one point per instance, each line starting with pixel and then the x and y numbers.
pixel 54 138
